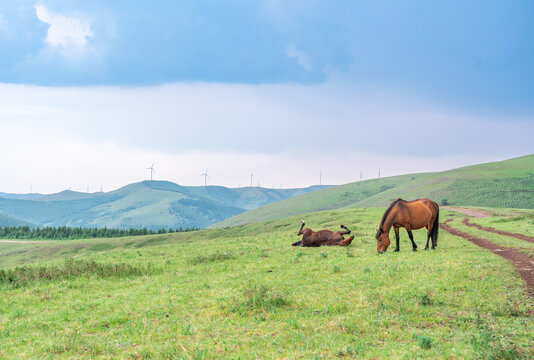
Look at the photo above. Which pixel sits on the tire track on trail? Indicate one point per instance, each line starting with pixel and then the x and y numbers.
pixel 523 263
pixel 500 232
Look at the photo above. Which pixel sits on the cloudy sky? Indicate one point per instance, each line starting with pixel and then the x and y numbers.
pixel 93 92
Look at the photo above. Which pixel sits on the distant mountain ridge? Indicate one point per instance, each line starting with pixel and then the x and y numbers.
pixel 20 196
pixel 150 204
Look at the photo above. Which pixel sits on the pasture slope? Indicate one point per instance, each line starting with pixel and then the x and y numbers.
pixel 245 293
pixel 504 184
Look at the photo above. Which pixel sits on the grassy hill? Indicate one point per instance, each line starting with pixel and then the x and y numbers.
pixel 6 220
pixel 504 184
pixel 151 204
pixel 151 298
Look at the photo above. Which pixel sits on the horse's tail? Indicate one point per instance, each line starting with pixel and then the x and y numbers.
pixel 435 228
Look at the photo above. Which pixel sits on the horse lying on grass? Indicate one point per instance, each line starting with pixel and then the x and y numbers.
pixel 323 237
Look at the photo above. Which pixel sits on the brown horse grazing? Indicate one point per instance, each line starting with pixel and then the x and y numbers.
pixel 411 215
pixel 323 237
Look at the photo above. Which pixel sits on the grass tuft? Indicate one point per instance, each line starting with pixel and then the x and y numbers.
pixel 346 352
pixel 487 344
pixel 101 247
pixel 187 329
pixel 24 275
pixel 206 259
pixel 424 342
pixel 425 300
pixel 259 297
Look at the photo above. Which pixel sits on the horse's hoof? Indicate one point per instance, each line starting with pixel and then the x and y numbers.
pixel 426 248
pixel 414 249
pixel 396 250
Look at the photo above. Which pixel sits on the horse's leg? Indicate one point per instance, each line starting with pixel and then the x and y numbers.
pixel 397 239
pixel 338 239
pixel 428 235
pixel 346 232
pixel 346 242
pixel 414 246
pixel 298 243
pixel 433 237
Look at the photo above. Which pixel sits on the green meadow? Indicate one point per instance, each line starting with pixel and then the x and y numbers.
pixel 245 293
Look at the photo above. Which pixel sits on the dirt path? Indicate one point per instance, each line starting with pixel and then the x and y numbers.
pixel 21 242
pixel 523 263
pixel 477 213
pixel 500 232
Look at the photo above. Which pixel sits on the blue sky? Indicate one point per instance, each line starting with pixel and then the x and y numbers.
pixel 314 84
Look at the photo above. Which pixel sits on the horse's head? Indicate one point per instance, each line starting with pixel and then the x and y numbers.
pixel 382 241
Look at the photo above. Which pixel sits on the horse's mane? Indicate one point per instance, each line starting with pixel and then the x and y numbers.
pixel 381 227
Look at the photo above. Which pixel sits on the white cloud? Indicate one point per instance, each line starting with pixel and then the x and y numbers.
pixel 302 58
pixel 68 34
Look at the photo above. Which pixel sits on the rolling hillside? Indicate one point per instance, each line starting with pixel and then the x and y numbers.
pixel 503 184
pixel 508 183
pixel 150 204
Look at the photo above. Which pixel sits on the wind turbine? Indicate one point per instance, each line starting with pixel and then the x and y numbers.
pixel 151 168
pixel 251 176
pixel 206 176
pixel 320 178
